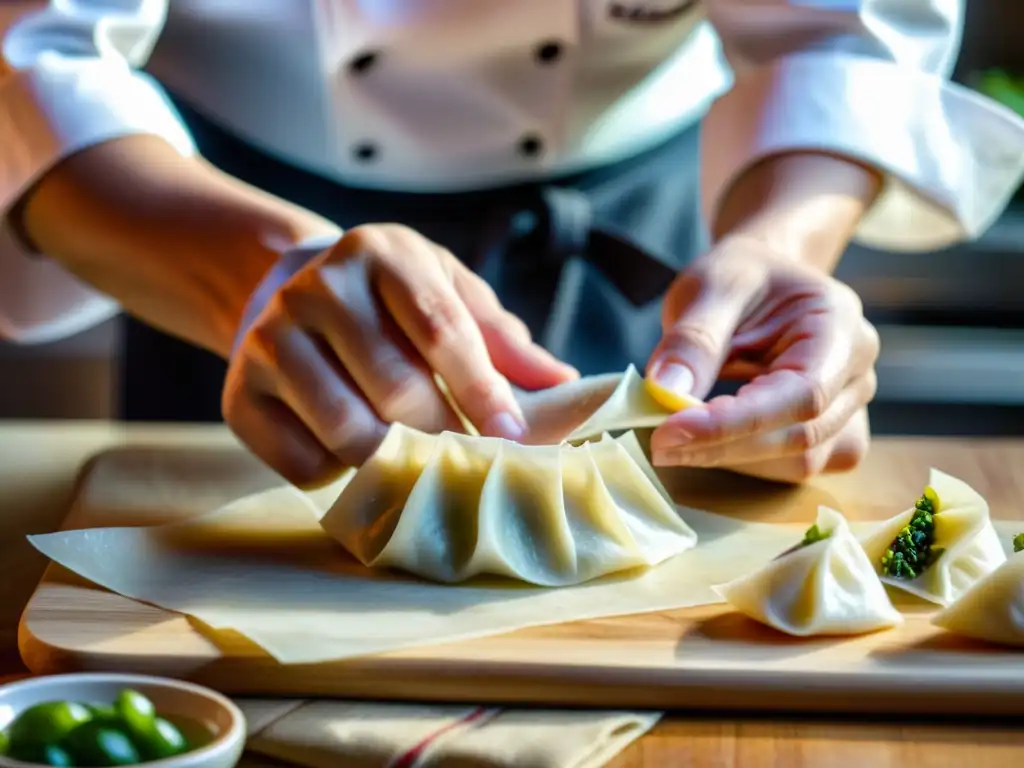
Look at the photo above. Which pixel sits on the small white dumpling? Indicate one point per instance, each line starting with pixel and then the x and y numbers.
pixel 449 507
pixel 992 609
pixel 965 546
pixel 825 587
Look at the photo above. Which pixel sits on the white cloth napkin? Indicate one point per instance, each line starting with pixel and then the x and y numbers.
pixel 329 734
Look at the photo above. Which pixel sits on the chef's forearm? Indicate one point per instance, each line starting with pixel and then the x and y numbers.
pixel 175 241
pixel 803 204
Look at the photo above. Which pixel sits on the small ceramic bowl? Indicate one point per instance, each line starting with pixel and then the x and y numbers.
pixel 172 698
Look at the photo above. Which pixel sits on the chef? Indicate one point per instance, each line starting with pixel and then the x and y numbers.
pixel 338 199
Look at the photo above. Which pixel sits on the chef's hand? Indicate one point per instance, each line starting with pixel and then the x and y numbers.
pixel 350 343
pixel 800 340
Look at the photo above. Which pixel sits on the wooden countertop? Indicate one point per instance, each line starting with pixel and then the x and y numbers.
pixel 40 461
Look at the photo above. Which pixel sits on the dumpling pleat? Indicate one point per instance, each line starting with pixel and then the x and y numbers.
pixel 847 595
pixel 973 561
pixel 631 445
pixel 524 533
pixel 367 512
pixel 603 542
pixel 436 535
pixel 653 522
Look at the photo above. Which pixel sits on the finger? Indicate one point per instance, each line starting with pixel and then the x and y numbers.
pixel 699 321
pixel 335 302
pixel 769 402
pixel 852 445
pixel 804 380
pixel 840 454
pixel 277 437
pixel 792 440
pixel 514 354
pixel 311 382
pixel 788 469
pixel 434 318
pixel 830 347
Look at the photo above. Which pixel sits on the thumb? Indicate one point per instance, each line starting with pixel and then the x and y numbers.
pixel 699 325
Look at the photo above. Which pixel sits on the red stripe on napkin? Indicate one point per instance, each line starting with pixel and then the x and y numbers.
pixel 411 757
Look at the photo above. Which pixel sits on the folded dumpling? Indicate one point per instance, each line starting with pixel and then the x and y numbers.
pixel 993 608
pixel 941 546
pixel 449 507
pixel 825 585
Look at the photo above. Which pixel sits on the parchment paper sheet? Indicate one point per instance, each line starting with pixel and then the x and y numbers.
pixel 264 567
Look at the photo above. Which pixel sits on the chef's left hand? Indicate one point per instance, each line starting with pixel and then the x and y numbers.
pixel 796 335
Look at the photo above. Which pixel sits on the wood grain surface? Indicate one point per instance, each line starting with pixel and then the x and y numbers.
pixel 703 658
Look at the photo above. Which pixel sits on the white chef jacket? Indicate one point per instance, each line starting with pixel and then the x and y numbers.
pixel 446 95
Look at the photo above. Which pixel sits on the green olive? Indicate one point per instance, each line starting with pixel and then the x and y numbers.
pixel 137 712
pixel 98 744
pixel 47 723
pixel 43 754
pixel 5 742
pixel 162 740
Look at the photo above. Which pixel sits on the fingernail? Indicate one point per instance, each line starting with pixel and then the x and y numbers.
pixel 505 425
pixel 675 377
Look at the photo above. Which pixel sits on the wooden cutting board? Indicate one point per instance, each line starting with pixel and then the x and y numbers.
pixel 705 658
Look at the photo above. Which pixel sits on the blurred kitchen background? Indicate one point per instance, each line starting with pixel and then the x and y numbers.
pixel 952 322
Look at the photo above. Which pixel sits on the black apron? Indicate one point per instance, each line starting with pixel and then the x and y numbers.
pixel 583 260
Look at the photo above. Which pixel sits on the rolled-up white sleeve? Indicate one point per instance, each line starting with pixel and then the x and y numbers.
pixel 868 80
pixel 68 81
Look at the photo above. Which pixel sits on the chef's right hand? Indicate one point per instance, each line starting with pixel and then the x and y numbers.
pixel 350 342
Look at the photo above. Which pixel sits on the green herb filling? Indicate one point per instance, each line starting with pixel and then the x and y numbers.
pixel 911 552
pixel 814 534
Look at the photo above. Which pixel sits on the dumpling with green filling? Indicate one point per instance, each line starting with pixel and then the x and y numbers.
pixel 941 546
pixel 825 585
pixel 993 608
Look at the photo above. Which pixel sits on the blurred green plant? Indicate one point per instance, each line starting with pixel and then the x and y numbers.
pixel 1005 87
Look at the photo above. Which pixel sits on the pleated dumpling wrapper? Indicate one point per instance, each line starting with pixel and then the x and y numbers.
pixel 449 507
pixel 941 546
pixel 825 585
pixel 992 609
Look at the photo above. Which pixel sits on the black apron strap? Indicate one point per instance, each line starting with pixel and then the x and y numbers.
pixel 546 241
